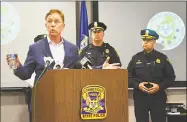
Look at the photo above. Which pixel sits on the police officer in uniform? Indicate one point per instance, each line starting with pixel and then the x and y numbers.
pixel 98 52
pixel 150 73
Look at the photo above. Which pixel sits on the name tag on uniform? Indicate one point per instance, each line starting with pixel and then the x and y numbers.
pixel 138 62
pixel 152 63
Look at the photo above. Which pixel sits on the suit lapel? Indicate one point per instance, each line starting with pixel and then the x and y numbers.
pixel 47 52
pixel 66 50
pixel 46 49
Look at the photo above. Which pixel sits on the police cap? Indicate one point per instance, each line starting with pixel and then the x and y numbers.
pixel 148 34
pixel 97 26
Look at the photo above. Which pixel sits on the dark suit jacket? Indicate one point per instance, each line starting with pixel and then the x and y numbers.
pixel 35 58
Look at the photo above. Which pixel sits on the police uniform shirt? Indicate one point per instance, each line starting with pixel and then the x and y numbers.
pixel 151 67
pixel 98 54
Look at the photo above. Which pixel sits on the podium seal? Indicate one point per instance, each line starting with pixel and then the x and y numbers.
pixel 93 102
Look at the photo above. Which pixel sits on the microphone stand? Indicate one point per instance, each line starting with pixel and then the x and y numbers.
pixel 35 86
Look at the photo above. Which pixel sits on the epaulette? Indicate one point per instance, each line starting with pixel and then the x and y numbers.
pixel 107 45
pixel 138 53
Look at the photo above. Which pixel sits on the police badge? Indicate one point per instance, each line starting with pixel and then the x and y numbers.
pixel 93 102
pixel 107 51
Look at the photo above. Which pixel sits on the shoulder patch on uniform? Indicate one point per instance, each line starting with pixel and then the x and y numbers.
pixel 116 53
pixel 167 59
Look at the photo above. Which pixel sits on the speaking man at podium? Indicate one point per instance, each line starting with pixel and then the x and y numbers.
pixel 100 55
pixel 150 73
pixel 54 47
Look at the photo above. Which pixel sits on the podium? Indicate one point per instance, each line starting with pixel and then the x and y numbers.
pixel 58 95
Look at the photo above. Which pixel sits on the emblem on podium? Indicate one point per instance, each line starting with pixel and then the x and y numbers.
pixel 93 102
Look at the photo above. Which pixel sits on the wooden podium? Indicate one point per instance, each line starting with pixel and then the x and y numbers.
pixel 58 95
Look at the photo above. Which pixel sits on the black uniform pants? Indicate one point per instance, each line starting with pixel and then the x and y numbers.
pixel 30 110
pixel 145 103
pixel 28 95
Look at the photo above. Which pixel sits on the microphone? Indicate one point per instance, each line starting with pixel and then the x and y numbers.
pixel 86 63
pixel 78 65
pixel 48 61
pixel 58 65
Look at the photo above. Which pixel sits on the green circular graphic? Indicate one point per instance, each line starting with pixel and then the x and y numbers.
pixel 10 23
pixel 170 28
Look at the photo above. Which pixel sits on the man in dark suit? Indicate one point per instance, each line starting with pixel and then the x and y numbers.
pixel 53 45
